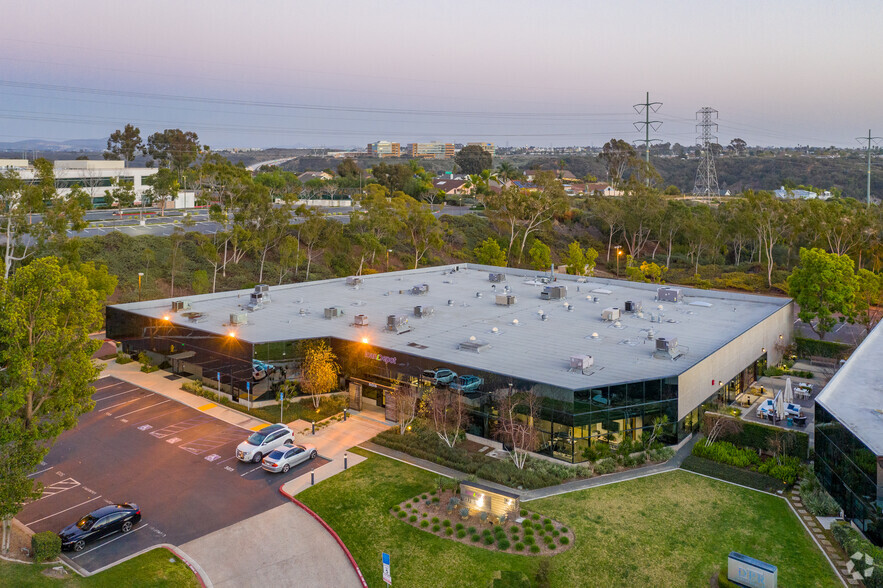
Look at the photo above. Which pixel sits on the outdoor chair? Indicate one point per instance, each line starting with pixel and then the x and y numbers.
pixel 800 421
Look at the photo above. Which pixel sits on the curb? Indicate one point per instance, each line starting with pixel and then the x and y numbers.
pixel 346 551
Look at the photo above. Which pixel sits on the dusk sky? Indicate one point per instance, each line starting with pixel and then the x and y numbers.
pixel 343 73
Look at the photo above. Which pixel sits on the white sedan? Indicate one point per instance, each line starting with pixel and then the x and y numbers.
pixel 263 442
pixel 288 456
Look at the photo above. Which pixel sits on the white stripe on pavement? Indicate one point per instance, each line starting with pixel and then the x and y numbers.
pixel 120 394
pixel 41 471
pixel 145 408
pixel 65 510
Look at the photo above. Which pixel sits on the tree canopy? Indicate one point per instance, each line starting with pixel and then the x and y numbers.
pixel 473 159
pixel 824 287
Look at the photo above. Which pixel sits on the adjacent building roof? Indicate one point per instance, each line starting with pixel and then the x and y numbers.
pixel 854 396
pixel 512 340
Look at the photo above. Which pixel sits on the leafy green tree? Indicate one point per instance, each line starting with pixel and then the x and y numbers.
pixel 617 155
pixel 348 168
pixel 174 148
pixel 869 287
pixel 507 171
pixel 164 187
pixel 47 312
pixel 123 193
pixel 392 177
pixel 472 159
pixel 824 287
pixel 282 185
pixel 490 253
pixel 318 370
pixel 540 255
pixel 124 144
pixel 200 283
pixel 420 227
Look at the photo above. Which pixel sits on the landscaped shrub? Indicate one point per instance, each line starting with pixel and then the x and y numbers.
pixel 424 497
pixel 816 500
pixel 412 518
pixel 45 546
pixel 435 500
pixel 523 512
pixel 476 537
pixel 461 533
pixel 503 544
pixel 783 468
pixel 487 533
pixel 529 540
pixel 515 537
pixel 564 529
pixel 563 540
pixel 550 546
pixel 736 475
pixel 727 453
pixel 534 548
pixel 434 519
pixel 424 524
pixel 123 358
pixel 449 531
pixel 397 508
pixel 757 436
pixel 851 542
pixel 547 522
pixel 402 514
pixel 549 527
pixel 526 523
pixel 458 526
pixel 528 530
pixel 535 516
pixel 519 547
pixel 446 523
pixel 424 515
pixel 813 347
pixel 471 530
pixel 488 540
pixel 605 466
pixel 435 528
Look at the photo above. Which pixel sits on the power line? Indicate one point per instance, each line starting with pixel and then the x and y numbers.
pixel 646 124
pixel 870 140
pixel 706 175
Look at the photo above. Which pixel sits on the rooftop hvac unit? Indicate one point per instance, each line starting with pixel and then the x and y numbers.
pixel 361 320
pixel 474 345
pixel 263 289
pixel 423 311
pixel 420 289
pixel 610 314
pixel 397 323
pixel 667 294
pixel 333 312
pixel 631 306
pixel 256 300
pixel 506 299
pixel 663 344
pixel 238 318
pixel 180 305
pixel 354 281
pixel 553 292
pixel 581 362
pixel 497 278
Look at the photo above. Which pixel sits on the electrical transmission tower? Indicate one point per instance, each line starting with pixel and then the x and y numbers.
pixel 645 108
pixel 706 175
pixel 869 139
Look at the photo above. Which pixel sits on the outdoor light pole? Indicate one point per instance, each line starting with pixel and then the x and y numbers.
pixel 388 251
pixel 618 253
pixel 140 274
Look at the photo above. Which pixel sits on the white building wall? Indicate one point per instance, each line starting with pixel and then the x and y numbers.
pixel 695 385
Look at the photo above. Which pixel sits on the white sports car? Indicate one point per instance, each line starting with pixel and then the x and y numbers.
pixel 288 456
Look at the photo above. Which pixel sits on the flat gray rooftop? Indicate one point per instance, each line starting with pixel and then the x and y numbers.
pixel 854 396
pixel 519 342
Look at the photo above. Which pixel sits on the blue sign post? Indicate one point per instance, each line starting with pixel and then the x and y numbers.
pixel 219 386
pixel 281 398
pixel 248 393
pixel 386 575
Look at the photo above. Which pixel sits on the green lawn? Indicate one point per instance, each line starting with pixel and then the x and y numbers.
pixel 672 529
pixel 150 569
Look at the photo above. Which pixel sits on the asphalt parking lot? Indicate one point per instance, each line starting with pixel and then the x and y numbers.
pixel 175 462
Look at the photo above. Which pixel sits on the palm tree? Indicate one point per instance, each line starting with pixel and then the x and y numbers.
pixel 507 172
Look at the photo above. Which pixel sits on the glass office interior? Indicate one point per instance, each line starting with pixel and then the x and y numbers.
pixel 848 471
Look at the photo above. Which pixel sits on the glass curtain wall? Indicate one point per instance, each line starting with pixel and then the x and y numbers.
pixel 848 471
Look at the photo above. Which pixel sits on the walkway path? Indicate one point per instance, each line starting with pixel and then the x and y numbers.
pixel 526 495
pixel 823 539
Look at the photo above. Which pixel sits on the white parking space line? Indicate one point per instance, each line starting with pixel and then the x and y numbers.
pixel 214 441
pixel 65 510
pixel 58 487
pixel 249 471
pixel 126 402
pixel 226 460
pixel 109 542
pixel 41 471
pixel 145 408
pixel 109 386
pixel 156 416
pixel 115 395
pixel 181 426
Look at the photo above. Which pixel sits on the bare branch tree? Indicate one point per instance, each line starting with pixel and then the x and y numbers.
pixel 518 411
pixel 405 399
pixel 448 413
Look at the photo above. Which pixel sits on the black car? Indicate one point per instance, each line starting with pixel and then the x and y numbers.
pixel 100 523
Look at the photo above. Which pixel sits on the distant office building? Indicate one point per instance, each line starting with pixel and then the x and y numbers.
pixel 434 150
pixel 94 177
pixel 384 149
pixel 17 164
pixel 489 147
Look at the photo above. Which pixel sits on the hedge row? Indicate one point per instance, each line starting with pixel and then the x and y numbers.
pixel 794 443
pixel 852 541
pixel 727 473
pixel 813 347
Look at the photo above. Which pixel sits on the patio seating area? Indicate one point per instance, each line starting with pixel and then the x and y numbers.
pixel 758 403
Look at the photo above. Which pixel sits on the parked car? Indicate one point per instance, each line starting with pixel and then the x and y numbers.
pixel 105 521
pixel 263 442
pixel 260 370
pixel 440 376
pixel 467 383
pixel 286 457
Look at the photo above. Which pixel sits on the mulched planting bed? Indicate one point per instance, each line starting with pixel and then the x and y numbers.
pixel 530 534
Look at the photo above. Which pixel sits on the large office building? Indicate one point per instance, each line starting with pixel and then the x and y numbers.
pixel 489 147
pixel 93 176
pixel 384 149
pixel 433 150
pixel 849 436
pixel 606 356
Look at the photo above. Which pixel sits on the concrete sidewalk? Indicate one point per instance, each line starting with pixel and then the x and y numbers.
pixel 284 546
pixel 159 382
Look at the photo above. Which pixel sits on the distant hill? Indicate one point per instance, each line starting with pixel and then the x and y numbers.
pixel 43 145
